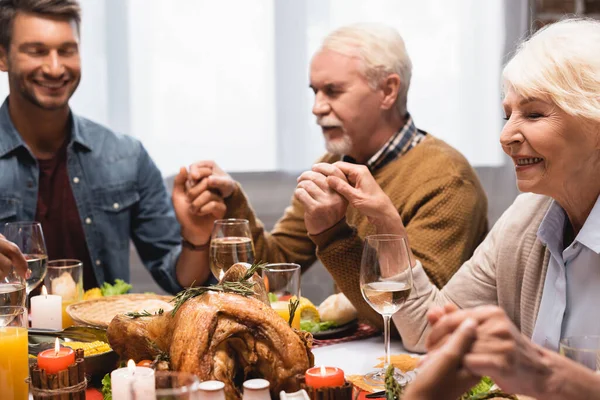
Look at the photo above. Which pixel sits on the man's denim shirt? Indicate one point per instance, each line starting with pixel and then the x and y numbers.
pixel 119 193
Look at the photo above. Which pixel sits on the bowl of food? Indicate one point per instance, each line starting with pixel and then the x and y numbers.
pixel 99 357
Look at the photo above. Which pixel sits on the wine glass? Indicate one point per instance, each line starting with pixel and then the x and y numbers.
pixel 386 282
pixel 28 236
pixel 12 289
pixel 583 349
pixel 230 243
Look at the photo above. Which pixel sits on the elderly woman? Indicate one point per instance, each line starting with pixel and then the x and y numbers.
pixel 541 261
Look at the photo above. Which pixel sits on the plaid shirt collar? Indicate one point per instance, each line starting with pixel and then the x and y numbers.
pixel 399 144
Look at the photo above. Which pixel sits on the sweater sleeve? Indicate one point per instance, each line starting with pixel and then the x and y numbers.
pixel 340 250
pixel 474 284
pixel 445 219
pixel 287 242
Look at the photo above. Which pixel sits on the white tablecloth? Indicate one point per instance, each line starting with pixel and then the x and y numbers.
pixel 357 357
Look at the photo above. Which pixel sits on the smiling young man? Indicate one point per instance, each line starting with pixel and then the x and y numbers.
pixel 360 78
pixel 91 189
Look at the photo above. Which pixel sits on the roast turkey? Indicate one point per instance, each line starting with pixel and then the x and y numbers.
pixel 220 336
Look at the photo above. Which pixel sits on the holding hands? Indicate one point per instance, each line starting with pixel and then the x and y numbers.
pixel 326 191
pixel 500 351
pixel 199 199
pixel 323 207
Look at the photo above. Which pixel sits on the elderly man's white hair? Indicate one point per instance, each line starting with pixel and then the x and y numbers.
pixel 560 63
pixel 381 50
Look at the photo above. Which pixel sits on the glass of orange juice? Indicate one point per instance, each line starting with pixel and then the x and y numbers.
pixel 65 278
pixel 14 362
pixel 282 282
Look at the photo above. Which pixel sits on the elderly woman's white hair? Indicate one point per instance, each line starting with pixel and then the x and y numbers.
pixel 560 62
pixel 381 51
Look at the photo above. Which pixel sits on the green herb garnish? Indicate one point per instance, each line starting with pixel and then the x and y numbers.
pixel 272 297
pixel 315 327
pixel 243 287
pixel 106 389
pixel 483 390
pixel 292 307
pixel 120 287
pixel 144 313
pixel 393 390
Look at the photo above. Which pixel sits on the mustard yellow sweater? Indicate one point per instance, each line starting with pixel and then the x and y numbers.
pixel 438 196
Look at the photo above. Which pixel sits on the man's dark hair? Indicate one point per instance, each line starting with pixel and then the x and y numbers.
pixel 67 9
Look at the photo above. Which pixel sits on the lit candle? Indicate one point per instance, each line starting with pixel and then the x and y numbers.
pixel 122 382
pixel 46 311
pixel 56 359
pixel 318 377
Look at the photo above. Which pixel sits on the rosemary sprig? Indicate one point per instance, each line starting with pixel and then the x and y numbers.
pixel 160 355
pixel 292 307
pixel 243 287
pixel 144 313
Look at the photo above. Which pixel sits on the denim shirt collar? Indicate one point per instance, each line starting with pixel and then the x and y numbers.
pixel 11 139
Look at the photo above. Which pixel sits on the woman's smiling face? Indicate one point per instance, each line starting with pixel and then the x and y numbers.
pixel 551 150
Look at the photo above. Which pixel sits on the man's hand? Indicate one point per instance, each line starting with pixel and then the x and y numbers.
pixel 217 180
pixel 362 192
pixel 323 207
pixel 10 256
pixel 442 375
pixel 196 207
pixel 514 362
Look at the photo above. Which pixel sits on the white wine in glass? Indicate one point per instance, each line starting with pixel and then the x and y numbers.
pixel 28 236
pixel 386 282
pixel 231 242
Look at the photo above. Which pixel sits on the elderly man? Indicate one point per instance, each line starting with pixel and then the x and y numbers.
pixel 360 77
pixel 91 189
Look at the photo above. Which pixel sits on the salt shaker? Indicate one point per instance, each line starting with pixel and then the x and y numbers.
pixel 211 390
pixel 256 389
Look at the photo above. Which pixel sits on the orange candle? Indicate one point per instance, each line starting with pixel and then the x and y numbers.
pixel 56 359
pixel 319 377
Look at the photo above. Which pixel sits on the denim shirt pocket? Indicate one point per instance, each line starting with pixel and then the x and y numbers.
pixel 116 206
pixel 8 210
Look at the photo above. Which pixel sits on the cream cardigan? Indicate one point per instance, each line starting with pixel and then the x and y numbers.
pixel 508 269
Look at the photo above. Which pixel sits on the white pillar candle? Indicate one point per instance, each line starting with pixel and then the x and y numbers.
pixel 124 380
pixel 46 311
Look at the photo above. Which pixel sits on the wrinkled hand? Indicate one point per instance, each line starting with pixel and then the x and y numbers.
pixel 500 351
pixel 362 192
pixel 10 256
pixel 323 207
pixel 442 376
pixel 218 180
pixel 196 205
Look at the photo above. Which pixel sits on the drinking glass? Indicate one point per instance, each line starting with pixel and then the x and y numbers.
pixel 230 243
pixel 65 278
pixel 14 362
pixel 583 349
pixel 282 282
pixel 12 289
pixel 28 236
pixel 386 282
pixel 169 385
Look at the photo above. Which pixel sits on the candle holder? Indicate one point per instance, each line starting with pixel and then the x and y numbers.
pixel 66 384
pixel 343 392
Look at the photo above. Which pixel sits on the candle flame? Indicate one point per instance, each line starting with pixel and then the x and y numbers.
pixel 44 291
pixel 131 367
pixel 56 347
pixel 323 371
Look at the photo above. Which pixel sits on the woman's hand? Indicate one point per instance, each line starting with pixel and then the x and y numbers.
pixel 363 193
pixel 515 363
pixel 442 375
